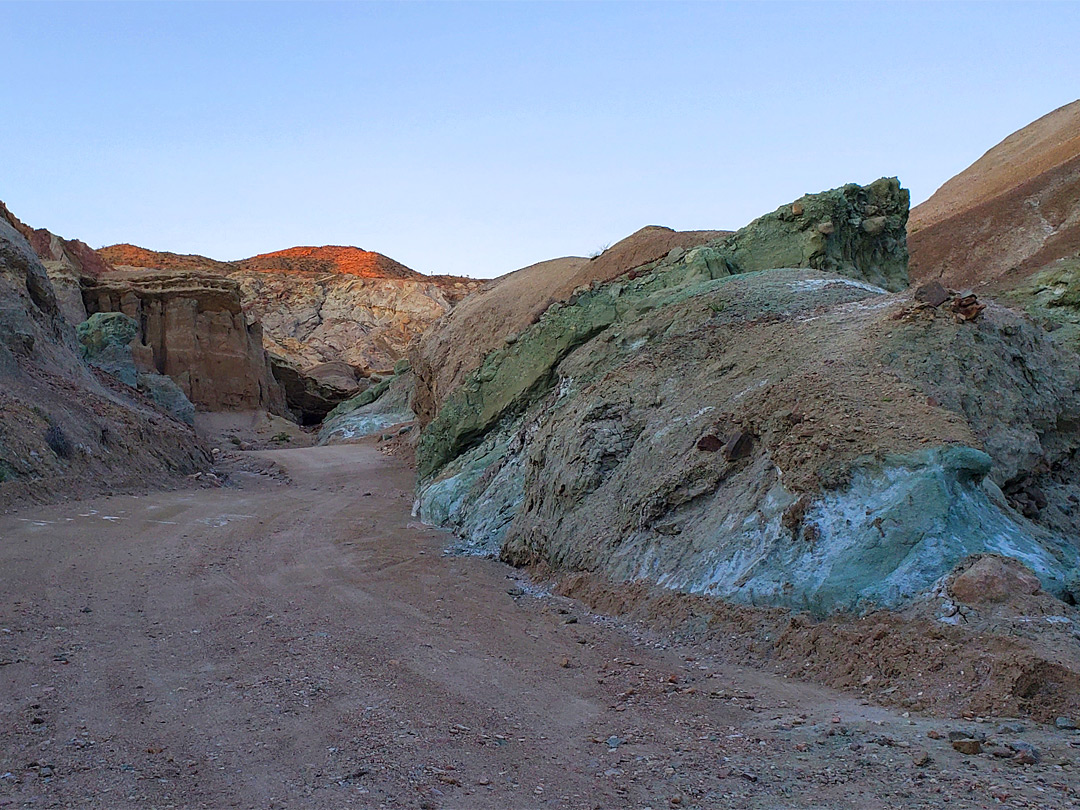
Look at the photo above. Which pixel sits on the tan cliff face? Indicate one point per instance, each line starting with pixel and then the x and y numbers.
pixel 1012 212
pixel 193 329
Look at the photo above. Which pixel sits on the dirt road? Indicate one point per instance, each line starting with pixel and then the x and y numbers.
pixel 308 645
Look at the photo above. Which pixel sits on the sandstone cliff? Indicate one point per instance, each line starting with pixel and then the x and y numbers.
pixel 65 428
pixel 1012 212
pixel 755 417
pixel 193 329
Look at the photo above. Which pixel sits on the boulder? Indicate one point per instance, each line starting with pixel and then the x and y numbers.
pixel 993 578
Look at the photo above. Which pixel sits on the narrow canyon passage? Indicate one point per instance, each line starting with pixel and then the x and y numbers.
pixel 307 644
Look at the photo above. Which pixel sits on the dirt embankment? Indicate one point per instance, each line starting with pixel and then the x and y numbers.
pixel 66 429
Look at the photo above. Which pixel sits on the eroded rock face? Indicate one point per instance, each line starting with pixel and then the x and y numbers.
pixel 66 429
pixel 366 322
pixel 315 391
pixel 1013 212
pixel 759 434
pixel 66 261
pixel 192 328
pixel 324 304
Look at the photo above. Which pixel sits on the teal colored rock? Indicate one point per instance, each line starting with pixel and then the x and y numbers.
pixel 168 396
pixel 855 231
pixel 105 339
pixel 1052 298
pixel 103 329
pixel 371 412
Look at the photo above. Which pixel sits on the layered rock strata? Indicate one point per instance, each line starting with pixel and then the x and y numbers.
pixel 192 328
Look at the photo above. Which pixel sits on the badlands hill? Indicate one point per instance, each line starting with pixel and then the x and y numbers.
pixel 67 427
pixel 751 417
pixel 349 261
pixel 1011 213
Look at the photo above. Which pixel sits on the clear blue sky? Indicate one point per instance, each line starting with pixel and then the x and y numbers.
pixel 478 138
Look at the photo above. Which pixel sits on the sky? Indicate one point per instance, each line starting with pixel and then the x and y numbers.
pixel 476 138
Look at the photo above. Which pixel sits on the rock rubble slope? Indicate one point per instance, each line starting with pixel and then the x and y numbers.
pixel 758 418
pixel 64 427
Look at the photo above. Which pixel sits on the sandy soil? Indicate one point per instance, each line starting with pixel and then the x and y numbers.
pixel 307 644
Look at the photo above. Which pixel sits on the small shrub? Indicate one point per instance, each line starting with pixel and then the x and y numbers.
pixel 58 442
pixel 281 437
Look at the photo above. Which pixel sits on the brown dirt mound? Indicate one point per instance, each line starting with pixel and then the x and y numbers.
pixel 1011 212
pixel 1011 662
pixel 350 261
pixel 510 303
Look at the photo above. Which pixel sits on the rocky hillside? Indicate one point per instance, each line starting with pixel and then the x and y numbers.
pixel 1012 212
pixel 753 418
pixel 67 428
pixel 504 307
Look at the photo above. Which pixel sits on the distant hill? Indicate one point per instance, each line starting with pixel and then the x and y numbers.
pixel 351 261
pixel 1013 211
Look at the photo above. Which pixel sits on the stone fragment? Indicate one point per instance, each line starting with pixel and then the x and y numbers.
pixel 710 443
pixel 738 445
pixel 932 293
pixel 967 307
pixel 992 579
pixel 969 747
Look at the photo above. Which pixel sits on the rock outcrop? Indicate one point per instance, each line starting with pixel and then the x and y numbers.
pixel 65 428
pixel 754 418
pixel 504 307
pixel 67 262
pixel 315 391
pixel 1013 212
pixel 382 406
pixel 192 328
pixel 322 305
